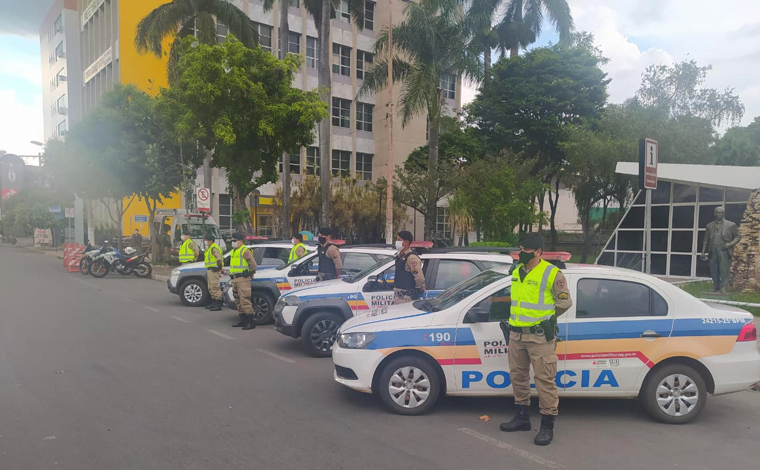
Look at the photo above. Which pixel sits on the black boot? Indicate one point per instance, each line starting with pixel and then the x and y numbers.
pixel 251 325
pixel 210 305
pixel 521 421
pixel 546 433
pixel 216 305
pixel 242 321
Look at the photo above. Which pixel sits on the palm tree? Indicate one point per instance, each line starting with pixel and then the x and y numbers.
pixel 432 43
pixel 521 25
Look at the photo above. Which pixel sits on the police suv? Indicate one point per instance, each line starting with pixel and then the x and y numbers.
pixel 189 280
pixel 267 286
pixel 627 335
pixel 315 313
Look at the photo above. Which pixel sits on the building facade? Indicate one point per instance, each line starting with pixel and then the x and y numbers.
pixel 61 76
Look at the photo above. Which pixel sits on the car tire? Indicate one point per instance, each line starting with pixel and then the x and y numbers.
pixel 319 333
pixel 263 306
pixel 674 394
pixel 194 293
pixel 409 385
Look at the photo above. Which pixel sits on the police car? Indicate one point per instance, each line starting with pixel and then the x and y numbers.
pixel 315 313
pixel 267 286
pixel 189 280
pixel 628 335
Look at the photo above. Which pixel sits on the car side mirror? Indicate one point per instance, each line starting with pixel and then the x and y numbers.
pixel 477 315
pixel 293 271
pixel 372 284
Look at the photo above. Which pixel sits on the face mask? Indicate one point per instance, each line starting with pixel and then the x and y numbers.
pixel 399 244
pixel 526 257
pixel 322 240
pixel 237 244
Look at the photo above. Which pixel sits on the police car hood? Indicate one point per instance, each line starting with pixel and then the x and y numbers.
pixel 332 288
pixel 394 317
pixel 195 265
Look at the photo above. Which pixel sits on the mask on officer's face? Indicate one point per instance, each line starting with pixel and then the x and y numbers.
pixel 526 257
pixel 399 244
pixel 322 240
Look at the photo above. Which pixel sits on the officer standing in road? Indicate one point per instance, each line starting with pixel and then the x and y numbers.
pixel 242 269
pixel 539 295
pixel 298 250
pixel 330 264
pixel 214 262
pixel 188 251
pixel 409 282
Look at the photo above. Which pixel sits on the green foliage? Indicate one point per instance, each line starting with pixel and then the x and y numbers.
pixel 239 103
pixel 740 146
pixel 457 144
pixel 422 189
pixel 29 209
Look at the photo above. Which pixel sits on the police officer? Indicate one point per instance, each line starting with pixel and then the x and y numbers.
pixel 330 264
pixel 409 282
pixel 213 261
pixel 298 250
pixel 539 295
pixel 242 269
pixel 188 251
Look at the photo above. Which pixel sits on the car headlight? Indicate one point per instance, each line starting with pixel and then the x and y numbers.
pixel 355 340
pixel 175 272
pixel 290 300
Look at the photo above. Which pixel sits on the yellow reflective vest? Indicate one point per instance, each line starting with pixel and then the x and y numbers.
pixel 186 255
pixel 210 259
pixel 238 263
pixel 293 256
pixel 532 300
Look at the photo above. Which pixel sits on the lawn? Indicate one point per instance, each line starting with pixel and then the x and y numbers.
pixel 700 289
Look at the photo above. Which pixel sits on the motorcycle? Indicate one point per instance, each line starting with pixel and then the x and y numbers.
pixel 90 253
pixel 116 261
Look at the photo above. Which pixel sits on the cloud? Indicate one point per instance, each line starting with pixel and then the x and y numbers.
pixel 20 123
pixel 23 18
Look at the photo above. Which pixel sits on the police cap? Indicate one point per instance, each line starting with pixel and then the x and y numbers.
pixel 326 231
pixel 186 232
pixel 532 241
pixel 406 235
pixel 209 236
pixel 237 236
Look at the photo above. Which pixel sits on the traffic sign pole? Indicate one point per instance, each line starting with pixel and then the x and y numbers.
pixel 649 160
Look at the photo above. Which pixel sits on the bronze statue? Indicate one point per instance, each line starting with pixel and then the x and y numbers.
pixel 721 237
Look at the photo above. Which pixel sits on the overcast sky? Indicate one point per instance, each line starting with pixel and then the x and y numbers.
pixel 632 34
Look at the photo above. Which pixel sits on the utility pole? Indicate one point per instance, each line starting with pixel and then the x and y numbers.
pixel 389 238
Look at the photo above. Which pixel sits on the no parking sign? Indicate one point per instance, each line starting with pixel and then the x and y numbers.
pixel 204 199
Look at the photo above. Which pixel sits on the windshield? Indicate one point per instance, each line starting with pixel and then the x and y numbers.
pixel 367 271
pixel 199 230
pixel 464 289
pixel 300 260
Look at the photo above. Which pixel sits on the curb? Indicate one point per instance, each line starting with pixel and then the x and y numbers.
pixel 160 277
pixel 37 250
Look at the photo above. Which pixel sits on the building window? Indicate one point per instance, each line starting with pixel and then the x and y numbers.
pixel 364 166
pixel 59 53
pixel 363 59
pixel 341 112
pixel 295 164
pixel 294 43
pixel 343 14
pixel 266 226
pixel 341 60
pixel 449 86
pixel 221 32
pixel 312 52
pixel 443 224
pixel 369 15
pixel 61 105
pixel 62 128
pixel 60 77
pixel 364 116
pixel 312 161
pixel 265 36
pixel 225 212
pixel 58 25
pixel 341 163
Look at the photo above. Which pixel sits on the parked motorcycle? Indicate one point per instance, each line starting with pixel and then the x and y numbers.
pixel 90 253
pixel 118 262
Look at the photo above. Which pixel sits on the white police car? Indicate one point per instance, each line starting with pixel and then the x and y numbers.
pixel 189 280
pixel 267 286
pixel 628 335
pixel 314 313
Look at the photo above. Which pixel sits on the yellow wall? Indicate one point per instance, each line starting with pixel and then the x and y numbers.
pixel 138 207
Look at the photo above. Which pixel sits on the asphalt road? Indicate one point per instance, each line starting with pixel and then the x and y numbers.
pixel 115 374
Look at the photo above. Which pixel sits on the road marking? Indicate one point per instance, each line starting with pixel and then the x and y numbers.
pixel 84 282
pixel 180 319
pixel 515 450
pixel 276 356
pixel 152 309
pixel 221 335
pixel 49 438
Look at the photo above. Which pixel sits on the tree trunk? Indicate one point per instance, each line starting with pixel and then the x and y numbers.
pixel 207 174
pixel 119 224
pixel 553 206
pixel 151 228
pixel 514 52
pixel 325 85
pixel 283 40
pixel 585 226
pixel 487 66
pixel 540 212
pixel 434 134
pixel 245 227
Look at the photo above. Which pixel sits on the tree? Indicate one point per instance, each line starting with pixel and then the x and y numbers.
pixel 431 44
pixel 239 103
pixel 29 209
pixel 679 91
pixel 740 146
pixel 533 99
pixel 457 144
pixel 422 189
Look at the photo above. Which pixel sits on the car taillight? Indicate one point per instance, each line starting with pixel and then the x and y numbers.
pixel 747 333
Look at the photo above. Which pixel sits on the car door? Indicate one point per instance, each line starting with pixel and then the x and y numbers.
pixel 614 329
pixel 379 294
pixel 305 272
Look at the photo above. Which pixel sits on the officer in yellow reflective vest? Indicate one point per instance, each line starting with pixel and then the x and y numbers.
pixel 298 250
pixel 213 261
pixel 188 251
pixel 539 295
pixel 242 269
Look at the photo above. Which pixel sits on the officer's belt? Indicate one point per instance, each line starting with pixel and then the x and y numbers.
pixel 525 329
pixel 215 270
pixel 243 274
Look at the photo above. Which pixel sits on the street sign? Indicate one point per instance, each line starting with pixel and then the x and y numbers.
pixel 204 199
pixel 54 209
pixel 69 212
pixel 648 161
pixel 58 216
pixel 141 218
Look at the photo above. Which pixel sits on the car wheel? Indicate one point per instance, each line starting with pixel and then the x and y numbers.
pixel 319 333
pixel 262 308
pixel 409 385
pixel 194 293
pixel 674 394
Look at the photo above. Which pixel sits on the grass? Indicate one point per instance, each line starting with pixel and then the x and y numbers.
pixel 700 289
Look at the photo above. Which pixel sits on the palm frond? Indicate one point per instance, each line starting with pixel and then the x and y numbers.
pixel 236 20
pixel 561 17
pixel 163 21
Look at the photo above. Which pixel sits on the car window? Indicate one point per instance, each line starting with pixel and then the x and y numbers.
pixel 275 256
pixel 607 298
pixel 354 263
pixel 452 272
pixel 497 304
pixel 495 264
pixel 465 289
